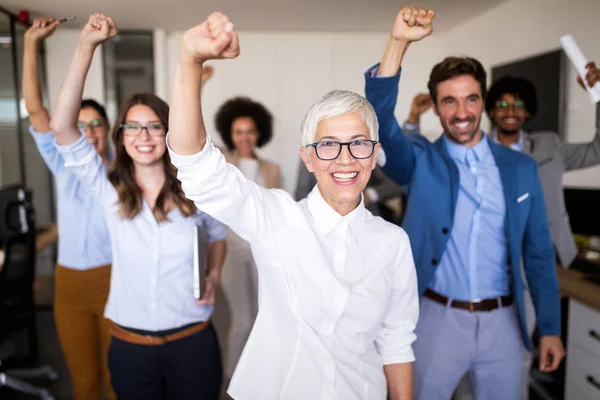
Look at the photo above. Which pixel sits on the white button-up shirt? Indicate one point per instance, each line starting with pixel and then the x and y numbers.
pixel 151 285
pixel 337 295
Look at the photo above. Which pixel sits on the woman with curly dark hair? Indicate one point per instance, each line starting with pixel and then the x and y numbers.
pixel 243 125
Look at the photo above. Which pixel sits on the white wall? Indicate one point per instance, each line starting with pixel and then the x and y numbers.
pixel 520 28
pixel 287 72
pixel 59 52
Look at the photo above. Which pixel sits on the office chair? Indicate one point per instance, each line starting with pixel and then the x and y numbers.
pixel 17 306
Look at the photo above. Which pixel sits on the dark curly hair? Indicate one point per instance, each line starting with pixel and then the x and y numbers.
pixel 518 87
pixel 244 107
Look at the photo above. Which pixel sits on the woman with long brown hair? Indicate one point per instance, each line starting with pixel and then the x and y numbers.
pixel 163 344
pixel 82 275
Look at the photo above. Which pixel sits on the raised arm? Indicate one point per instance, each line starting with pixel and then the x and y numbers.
pixel 98 29
pixel 420 104
pixel 216 187
pixel 32 87
pixel 582 155
pixel 213 39
pixel 411 24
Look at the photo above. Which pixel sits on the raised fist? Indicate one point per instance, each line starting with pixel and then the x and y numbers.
pixel 98 29
pixel 213 39
pixel 41 29
pixel 413 24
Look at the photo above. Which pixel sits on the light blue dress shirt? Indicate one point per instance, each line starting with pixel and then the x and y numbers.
pixel 516 146
pixel 151 285
pixel 475 262
pixel 83 236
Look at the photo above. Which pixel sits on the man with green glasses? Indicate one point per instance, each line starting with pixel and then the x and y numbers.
pixel 510 103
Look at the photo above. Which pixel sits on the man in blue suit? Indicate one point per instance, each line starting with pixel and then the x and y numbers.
pixel 475 211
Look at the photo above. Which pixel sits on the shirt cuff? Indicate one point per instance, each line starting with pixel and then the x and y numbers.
pixel 410 127
pixel 373 196
pixel 406 356
pixel 41 137
pixel 79 153
pixel 371 74
pixel 179 160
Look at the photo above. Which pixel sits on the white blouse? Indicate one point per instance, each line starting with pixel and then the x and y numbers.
pixel 151 284
pixel 337 295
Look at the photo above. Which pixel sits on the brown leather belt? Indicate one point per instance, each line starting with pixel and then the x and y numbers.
pixel 471 306
pixel 135 338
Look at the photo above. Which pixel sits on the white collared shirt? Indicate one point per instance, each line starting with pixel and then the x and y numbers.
pixel 337 295
pixel 151 283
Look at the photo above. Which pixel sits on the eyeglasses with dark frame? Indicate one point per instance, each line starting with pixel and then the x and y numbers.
pixel 134 129
pixel 328 150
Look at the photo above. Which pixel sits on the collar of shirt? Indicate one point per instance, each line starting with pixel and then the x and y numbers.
pixel 458 152
pixel 326 218
pixel 517 146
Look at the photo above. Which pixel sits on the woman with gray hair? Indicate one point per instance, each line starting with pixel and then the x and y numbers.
pixel 337 286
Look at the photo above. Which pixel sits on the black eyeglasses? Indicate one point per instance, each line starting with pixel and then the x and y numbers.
pixel 328 150
pixel 134 129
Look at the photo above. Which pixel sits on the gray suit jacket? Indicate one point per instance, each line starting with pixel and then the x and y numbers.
pixel 554 157
pixel 386 188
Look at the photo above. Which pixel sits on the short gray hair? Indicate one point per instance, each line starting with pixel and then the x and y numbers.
pixel 336 103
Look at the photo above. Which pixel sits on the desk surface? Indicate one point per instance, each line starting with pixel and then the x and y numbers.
pixel 572 285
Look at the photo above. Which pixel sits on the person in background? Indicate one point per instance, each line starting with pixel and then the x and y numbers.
pixel 337 291
pixel 244 125
pixel 475 210
pixel 82 276
pixel 163 345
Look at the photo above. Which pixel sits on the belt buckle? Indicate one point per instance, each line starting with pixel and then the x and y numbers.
pixel 472 304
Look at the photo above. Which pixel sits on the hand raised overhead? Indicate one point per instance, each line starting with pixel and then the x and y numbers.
pixel 41 29
pixel 214 39
pixel 413 24
pixel 98 29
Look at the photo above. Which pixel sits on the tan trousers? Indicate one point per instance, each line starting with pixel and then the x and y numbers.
pixel 83 331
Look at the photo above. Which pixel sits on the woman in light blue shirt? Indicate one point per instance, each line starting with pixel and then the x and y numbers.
pixel 82 277
pixel 163 345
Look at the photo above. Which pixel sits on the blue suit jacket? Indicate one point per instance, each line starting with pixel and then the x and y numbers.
pixel 433 181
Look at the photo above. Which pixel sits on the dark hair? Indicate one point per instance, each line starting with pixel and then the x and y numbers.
pixel 244 107
pixel 518 87
pixel 452 67
pixel 122 171
pixel 91 103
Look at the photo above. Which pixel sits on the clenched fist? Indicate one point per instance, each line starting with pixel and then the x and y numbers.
pixel 214 39
pixel 413 24
pixel 41 29
pixel 98 29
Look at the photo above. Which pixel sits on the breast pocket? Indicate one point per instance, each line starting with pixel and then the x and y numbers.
pixel 544 161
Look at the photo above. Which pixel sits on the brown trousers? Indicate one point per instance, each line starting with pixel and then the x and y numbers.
pixel 83 331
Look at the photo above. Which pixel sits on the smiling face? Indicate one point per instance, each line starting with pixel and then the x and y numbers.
pixel 510 114
pixel 95 128
pixel 341 181
pixel 459 106
pixel 148 146
pixel 244 136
